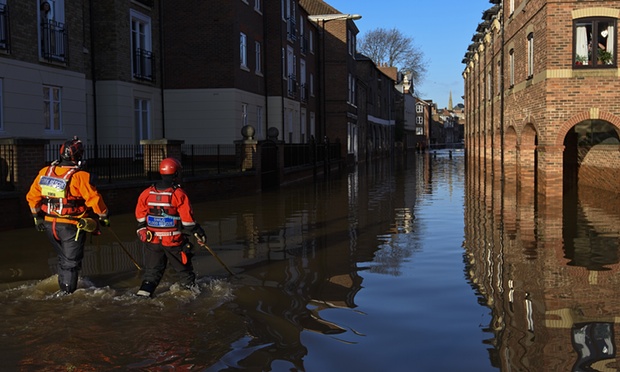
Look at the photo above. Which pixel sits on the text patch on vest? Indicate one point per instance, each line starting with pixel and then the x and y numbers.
pixel 160 221
pixel 53 187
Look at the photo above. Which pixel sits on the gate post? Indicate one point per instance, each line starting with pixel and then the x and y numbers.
pixel 157 150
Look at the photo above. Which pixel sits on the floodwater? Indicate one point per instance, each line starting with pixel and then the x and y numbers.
pixel 406 267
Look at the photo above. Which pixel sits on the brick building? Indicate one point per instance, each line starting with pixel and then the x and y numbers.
pixel 539 97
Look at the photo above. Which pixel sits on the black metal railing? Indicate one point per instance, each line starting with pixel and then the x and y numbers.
pixel 4 28
pixel 291 29
pixel 305 154
pixel 292 85
pixel 143 65
pixel 7 168
pixel 303 92
pixel 209 159
pixel 54 41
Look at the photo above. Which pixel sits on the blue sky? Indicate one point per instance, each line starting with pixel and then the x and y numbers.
pixel 441 29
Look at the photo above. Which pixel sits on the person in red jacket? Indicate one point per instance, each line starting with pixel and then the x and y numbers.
pixel 165 219
pixel 60 195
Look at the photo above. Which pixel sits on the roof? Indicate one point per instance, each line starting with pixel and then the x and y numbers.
pixel 318 7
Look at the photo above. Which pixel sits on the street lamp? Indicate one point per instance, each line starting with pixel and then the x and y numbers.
pixel 322 19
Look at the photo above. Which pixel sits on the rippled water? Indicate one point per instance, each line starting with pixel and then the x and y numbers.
pixel 388 267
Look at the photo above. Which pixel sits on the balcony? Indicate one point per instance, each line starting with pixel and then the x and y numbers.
pixel 4 28
pixel 143 67
pixel 303 92
pixel 291 31
pixel 292 86
pixel 54 41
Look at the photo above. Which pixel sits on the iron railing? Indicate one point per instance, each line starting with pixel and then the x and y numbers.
pixel 54 41
pixel 4 28
pixel 7 168
pixel 143 65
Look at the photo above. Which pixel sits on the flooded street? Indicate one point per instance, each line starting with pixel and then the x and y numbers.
pixel 409 267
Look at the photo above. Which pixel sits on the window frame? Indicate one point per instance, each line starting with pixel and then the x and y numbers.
pixel 530 55
pixel 50 115
pixel 142 118
pixel 258 58
pixel 511 67
pixel 582 42
pixel 243 50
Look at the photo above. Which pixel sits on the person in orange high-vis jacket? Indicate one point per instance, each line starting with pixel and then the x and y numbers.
pixel 165 220
pixel 60 195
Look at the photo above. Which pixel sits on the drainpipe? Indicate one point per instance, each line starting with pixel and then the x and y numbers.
pixel 161 66
pixel 501 101
pixel 94 73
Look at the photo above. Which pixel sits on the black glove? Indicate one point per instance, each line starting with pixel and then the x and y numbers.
pixel 104 221
pixel 38 222
pixel 199 234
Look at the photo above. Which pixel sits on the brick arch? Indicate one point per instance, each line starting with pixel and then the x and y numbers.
pixel 592 114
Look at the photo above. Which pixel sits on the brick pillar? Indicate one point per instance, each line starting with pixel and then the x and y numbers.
pixel 526 155
pixel 23 158
pixel 550 173
pixel 157 150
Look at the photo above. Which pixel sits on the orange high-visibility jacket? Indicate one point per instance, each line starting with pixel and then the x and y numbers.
pixel 78 192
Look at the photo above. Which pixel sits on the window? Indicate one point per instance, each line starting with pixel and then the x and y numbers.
pixel 511 72
pixel 142 119
pixel 258 5
pixel 51 108
pixel 4 26
pixel 511 7
pixel 594 43
pixel 419 120
pixel 53 31
pixel 311 84
pixel 419 131
pixel 259 64
pixel 489 85
pixel 244 114
pixel 530 55
pixel 243 50
pixel 142 61
pixel 1 106
pixel 499 77
pixel 419 108
pixel 311 41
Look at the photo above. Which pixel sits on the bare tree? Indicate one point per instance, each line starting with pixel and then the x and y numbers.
pixel 393 48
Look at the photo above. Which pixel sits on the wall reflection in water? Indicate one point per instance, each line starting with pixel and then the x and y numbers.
pixel 549 272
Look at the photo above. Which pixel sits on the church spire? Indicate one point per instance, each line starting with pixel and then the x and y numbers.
pixel 450 108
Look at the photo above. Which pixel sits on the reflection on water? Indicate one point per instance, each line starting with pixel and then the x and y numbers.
pixel 385 267
pixel 548 272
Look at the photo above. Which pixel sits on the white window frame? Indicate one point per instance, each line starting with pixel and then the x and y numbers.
pixel 511 67
pixel 511 7
pixel 530 55
pixel 419 120
pixel 258 6
pixel 140 38
pixel 259 58
pixel 52 108
pixel 142 118
pixel 311 82
pixel 244 114
pixel 311 41
pixel 243 51
pixel 419 108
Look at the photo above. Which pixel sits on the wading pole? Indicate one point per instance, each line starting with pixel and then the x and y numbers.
pixel 125 249
pixel 214 255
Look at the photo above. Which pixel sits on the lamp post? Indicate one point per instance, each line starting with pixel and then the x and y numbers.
pixel 322 19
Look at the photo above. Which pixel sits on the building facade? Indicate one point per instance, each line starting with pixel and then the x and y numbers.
pixel 541 92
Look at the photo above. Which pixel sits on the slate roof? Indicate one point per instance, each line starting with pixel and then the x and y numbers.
pixel 318 7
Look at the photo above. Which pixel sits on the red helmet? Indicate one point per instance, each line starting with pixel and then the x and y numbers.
pixel 72 150
pixel 169 166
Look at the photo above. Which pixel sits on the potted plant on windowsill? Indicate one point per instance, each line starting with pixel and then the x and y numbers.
pixel 581 60
pixel 605 57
